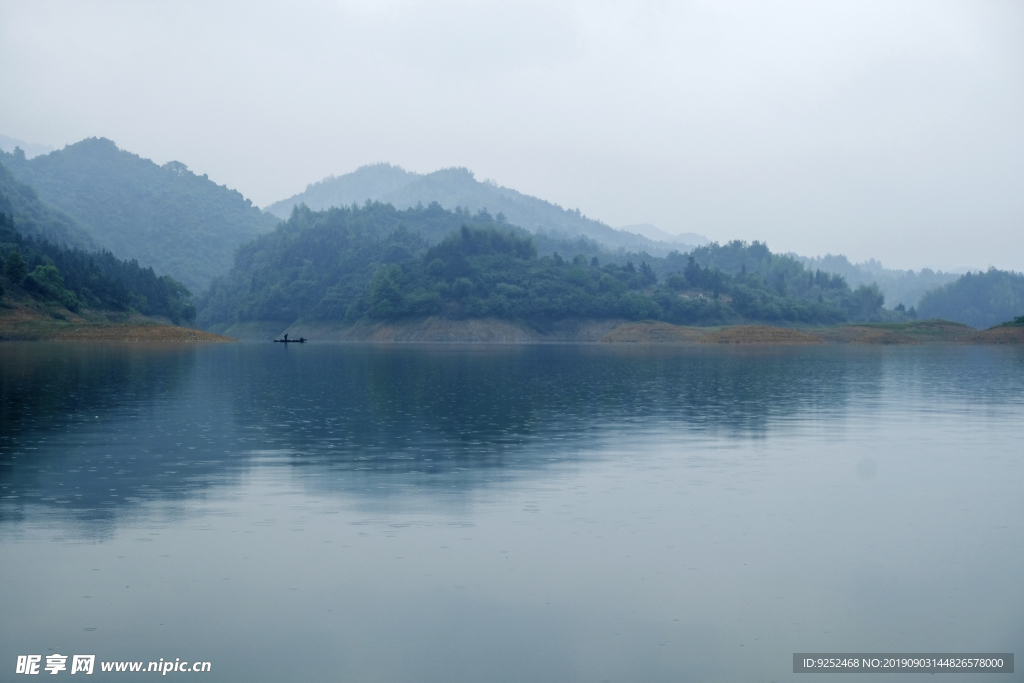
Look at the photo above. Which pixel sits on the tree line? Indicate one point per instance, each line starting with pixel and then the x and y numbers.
pixel 981 299
pixel 376 262
pixel 487 271
pixel 76 279
pixel 167 217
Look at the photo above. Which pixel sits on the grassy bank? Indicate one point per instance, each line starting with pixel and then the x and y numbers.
pixel 32 321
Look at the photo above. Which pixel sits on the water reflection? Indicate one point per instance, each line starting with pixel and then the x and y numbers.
pixel 90 430
pixel 435 514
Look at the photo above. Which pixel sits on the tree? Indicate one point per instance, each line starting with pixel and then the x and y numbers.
pixel 647 275
pixel 384 293
pixel 46 281
pixel 14 267
pixel 866 302
pixel 694 274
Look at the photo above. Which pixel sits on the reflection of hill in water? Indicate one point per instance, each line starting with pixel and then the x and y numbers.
pixel 89 432
pixel 69 414
pixel 462 399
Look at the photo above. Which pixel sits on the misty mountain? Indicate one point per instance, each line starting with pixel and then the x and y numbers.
pixel 457 187
pixel 977 299
pixel 50 275
pixel 166 217
pixel 31 149
pixel 653 232
pixel 35 218
pixel 899 286
pixel 377 262
pixel 317 263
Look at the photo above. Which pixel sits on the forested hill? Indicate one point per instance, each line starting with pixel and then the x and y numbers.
pixel 377 262
pixel 38 272
pixel 165 217
pixel 977 299
pixel 458 188
pixel 904 287
pixel 317 263
pixel 37 218
pixel 31 149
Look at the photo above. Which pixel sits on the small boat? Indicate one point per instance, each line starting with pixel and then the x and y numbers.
pixel 286 340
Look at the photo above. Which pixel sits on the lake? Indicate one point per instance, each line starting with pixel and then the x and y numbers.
pixel 508 513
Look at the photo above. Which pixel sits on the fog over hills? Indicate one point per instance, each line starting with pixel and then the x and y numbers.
pixel 31 149
pixel 35 218
pixel 653 232
pixel 185 225
pixel 899 286
pixel 457 187
pixel 47 260
pixel 180 223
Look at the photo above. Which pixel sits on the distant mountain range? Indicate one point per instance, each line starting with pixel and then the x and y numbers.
pixel 372 263
pixel 905 287
pixel 652 232
pixel 48 264
pixel 166 217
pixel 457 188
pixel 92 195
pixel 31 149
pixel 981 299
pixel 37 219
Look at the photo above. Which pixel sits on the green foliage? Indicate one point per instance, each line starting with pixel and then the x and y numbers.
pixel 457 187
pixel 375 262
pixel 165 217
pixel 75 278
pixel 905 287
pixel 46 281
pixel 33 215
pixel 317 265
pixel 492 271
pixel 865 302
pixel 15 269
pixel 980 300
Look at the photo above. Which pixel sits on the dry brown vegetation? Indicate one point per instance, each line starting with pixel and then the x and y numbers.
pixel 922 332
pixel 654 332
pixel 20 321
pixel 760 334
pixel 1000 335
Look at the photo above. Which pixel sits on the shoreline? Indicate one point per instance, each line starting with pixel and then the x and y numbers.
pixel 24 323
pixel 21 323
pixel 492 331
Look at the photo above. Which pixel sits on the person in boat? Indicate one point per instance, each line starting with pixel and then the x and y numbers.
pixel 286 338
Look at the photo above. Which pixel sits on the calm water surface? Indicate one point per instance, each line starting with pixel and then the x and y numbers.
pixel 514 513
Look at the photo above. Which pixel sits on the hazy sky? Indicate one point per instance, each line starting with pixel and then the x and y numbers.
pixel 876 129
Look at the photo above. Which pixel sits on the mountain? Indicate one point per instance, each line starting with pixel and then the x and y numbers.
pixel 977 299
pixel 165 217
pixel 35 218
pixel 31 149
pixel 376 262
pixel 490 271
pixel 652 232
pixel 49 277
pixel 900 287
pixel 317 263
pixel 457 188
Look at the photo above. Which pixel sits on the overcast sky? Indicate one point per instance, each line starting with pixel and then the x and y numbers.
pixel 884 129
